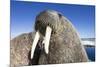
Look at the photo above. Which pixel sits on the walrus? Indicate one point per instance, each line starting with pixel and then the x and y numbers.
pixel 61 41
pixel 55 41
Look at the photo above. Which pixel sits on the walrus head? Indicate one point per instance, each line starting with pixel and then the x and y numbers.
pixel 47 23
pixel 48 18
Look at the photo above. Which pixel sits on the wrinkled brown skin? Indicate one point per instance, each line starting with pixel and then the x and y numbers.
pixel 65 47
pixel 20 51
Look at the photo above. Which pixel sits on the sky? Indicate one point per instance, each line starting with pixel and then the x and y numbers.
pixel 23 16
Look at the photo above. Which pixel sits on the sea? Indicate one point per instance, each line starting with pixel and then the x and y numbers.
pixel 91 53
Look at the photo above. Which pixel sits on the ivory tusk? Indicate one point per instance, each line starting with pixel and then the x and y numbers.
pixel 47 39
pixel 37 36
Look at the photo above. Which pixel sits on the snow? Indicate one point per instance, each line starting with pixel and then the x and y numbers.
pixel 88 42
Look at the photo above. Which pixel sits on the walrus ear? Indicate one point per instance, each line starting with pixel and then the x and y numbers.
pixel 64 19
pixel 59 15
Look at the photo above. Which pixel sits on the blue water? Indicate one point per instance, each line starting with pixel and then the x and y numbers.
pixel 91 53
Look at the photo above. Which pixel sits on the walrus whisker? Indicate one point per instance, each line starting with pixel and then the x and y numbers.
pixel 37 36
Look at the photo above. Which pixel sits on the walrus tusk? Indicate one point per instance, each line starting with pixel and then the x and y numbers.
pixel 37 36
pixel 47 39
